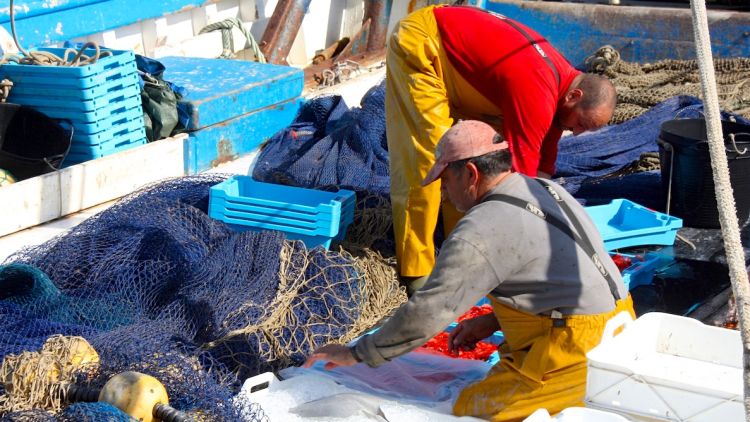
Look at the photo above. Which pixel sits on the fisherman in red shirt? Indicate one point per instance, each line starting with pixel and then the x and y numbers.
pixel 456 62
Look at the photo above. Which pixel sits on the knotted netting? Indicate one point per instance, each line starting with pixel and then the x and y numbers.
pixel 157 286
pixel 642 86
pixel 329 144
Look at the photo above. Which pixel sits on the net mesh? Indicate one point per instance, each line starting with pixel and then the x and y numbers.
pixel 157 286
pixel 642 86
pixel 329 144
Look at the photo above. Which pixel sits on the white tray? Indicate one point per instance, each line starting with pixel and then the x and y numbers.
pixel 667 367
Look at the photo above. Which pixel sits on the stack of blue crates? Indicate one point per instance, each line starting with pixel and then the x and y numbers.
pixel 102 100
pixel 314 216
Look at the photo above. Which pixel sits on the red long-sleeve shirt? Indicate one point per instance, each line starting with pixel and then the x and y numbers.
pixel 525 79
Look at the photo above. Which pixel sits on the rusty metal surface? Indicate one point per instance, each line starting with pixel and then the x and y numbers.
pixel 282 29
pixel 358 43
pixel 314 73
pixel 378 12
pixel 224 153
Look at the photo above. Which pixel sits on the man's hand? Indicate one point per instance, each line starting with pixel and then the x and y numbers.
pixel 335 354
pixel 468 332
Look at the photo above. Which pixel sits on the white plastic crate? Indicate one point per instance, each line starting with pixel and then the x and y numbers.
pixel 575 414
pixel 667 368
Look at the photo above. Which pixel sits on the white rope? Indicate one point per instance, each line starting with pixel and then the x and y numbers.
pixel 724 197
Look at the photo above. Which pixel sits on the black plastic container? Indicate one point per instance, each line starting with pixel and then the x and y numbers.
pixel 31 144
pixel 683 151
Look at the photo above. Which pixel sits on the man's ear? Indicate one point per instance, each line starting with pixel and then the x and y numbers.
pixel 573 96
pixel 473 172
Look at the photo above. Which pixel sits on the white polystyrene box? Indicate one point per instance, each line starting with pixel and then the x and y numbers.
pixel 575 414
pixel 667 367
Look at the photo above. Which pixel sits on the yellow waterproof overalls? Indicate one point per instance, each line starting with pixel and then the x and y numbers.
pixel 424 94
pixel 542 365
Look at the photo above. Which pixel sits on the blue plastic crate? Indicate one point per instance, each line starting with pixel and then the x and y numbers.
pixel 75 104
pixel 75 93
pixel 284 215
pixel 79 83
pixel 623 224
pixel 641 273
pixel 116 144
pixel 313 216
pixel 97 115
pixel 109 134
pixel 115 60
pixel 244 195
pixel 245 190
pixel 116 118
pixel 311 238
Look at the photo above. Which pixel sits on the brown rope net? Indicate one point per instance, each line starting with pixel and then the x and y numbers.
pixel 641 86
pixel 357 286
pixel 34 380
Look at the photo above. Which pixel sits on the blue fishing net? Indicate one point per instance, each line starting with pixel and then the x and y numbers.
pixel 329 144
pixel 157 286
pixel 94 412
pixel 28 416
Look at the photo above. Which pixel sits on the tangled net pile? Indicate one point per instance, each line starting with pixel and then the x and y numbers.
pixel 157 286
pixel 642 86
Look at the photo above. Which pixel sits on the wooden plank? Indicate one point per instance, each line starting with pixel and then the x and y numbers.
pixel 41 23
pixel 94 182
pixel 72 189
pixel 29 202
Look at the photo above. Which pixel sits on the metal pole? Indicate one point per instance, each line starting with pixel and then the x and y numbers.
pixel 282 29
pixel 378 11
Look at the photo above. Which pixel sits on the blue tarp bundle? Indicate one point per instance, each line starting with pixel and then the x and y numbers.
pixel 330 145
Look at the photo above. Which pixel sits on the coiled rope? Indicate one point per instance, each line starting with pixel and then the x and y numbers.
pixel 227 40
pixel 641 86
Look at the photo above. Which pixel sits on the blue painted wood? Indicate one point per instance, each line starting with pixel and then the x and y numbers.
pixel 227 141
pixel 640 34
pixel 30 8
pixel 41 22
pixel 219 90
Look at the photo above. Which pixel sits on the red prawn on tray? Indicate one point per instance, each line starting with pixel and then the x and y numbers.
pixel 482 351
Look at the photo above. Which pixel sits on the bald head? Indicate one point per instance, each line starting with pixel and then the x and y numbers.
pixel 588 105
pixel 598 91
